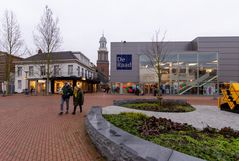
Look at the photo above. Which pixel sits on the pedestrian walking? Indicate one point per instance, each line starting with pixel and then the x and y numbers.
pixel 4 88
pixel 66 92
pixel 78 99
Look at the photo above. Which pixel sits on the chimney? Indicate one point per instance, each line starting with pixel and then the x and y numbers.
pixel 39 51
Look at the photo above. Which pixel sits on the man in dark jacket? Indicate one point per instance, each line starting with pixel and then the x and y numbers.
pixel 78 99
pixel 66 92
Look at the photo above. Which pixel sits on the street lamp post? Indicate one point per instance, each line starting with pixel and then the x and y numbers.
pixel 26 86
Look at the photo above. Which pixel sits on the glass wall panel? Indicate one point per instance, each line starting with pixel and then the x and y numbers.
pixel 182 73
pixel 208 73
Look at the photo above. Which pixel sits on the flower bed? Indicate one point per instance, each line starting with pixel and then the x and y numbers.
pixel 209 143
pixel 163 107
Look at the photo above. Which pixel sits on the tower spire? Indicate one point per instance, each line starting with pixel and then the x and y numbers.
pixel 103 42
pixel 103 62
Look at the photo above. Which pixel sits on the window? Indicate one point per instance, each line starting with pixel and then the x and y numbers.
pixel 78 71
pixel 105 57
pixel 43 70
pixel 82 72
pixel 89 74
pixel 70 69
pixel 182 70
pixel 19 84
pixel 85 73
pixel 56 70
pixel 174 71
pixel 31 71
pixel 19 71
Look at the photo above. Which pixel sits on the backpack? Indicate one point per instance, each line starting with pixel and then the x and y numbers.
pixel 67 92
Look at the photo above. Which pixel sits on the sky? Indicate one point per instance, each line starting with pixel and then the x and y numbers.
pixel 82 22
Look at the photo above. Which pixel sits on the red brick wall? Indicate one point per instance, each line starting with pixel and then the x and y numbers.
pixel 104 68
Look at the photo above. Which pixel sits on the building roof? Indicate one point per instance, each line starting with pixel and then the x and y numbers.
pixel 5 53
pixel 103 39
pixel 54 56
pixel 78 52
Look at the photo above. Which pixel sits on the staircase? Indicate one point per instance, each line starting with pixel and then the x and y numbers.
pixel 206 78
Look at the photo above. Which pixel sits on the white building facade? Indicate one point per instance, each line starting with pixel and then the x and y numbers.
pixel 72 67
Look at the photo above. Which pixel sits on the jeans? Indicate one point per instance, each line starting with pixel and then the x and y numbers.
pixel 3 93
pixel 76 107
pixel 62 104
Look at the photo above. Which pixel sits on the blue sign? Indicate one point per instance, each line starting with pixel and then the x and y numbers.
pixel 124 62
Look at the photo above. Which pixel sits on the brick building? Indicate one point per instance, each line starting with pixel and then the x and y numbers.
pixel 103 62
pixel 3 60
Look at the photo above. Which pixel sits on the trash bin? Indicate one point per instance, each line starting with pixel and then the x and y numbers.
pixel 26 91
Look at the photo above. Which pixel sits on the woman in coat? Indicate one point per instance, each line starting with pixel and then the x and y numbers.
pixel 78 99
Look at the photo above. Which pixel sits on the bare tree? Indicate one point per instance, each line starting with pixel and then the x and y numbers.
pixel 11 42
pixel 156 54
pixel 48 39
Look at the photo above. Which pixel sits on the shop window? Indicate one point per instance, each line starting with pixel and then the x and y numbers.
pixel 32 85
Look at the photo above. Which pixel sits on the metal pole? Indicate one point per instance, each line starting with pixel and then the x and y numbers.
pixel 26 88
pixel 197 75
pixel 121 84
pixel 178 70
pixel 218 75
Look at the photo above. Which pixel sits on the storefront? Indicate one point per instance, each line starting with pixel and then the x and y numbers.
pixel 126 88
pixel 37 87
pixel 58 84
pixel 182 73
pixel 86 85
pixel 185 68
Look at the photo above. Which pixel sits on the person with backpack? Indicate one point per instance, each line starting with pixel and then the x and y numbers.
pixel 66 92
pixel 78 99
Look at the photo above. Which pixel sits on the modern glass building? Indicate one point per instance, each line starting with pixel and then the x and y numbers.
pixel 189 67
pixel 182 73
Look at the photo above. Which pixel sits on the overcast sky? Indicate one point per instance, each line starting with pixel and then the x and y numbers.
pixel 82 22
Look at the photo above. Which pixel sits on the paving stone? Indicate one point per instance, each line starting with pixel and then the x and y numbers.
pixel 31 129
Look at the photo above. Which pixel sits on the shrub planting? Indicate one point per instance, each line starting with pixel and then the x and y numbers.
pixel 209 143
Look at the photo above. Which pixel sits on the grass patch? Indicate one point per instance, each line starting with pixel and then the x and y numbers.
pixel 164 107
pixel 209 144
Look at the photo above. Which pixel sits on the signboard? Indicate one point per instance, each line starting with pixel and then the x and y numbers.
pixel 124 62
pixel 41 81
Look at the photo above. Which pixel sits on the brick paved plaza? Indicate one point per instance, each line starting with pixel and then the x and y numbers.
pixel 31 129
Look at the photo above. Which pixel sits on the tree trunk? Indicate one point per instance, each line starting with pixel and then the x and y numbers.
pixel 159 97
pixel 8 71
pixel 48 74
